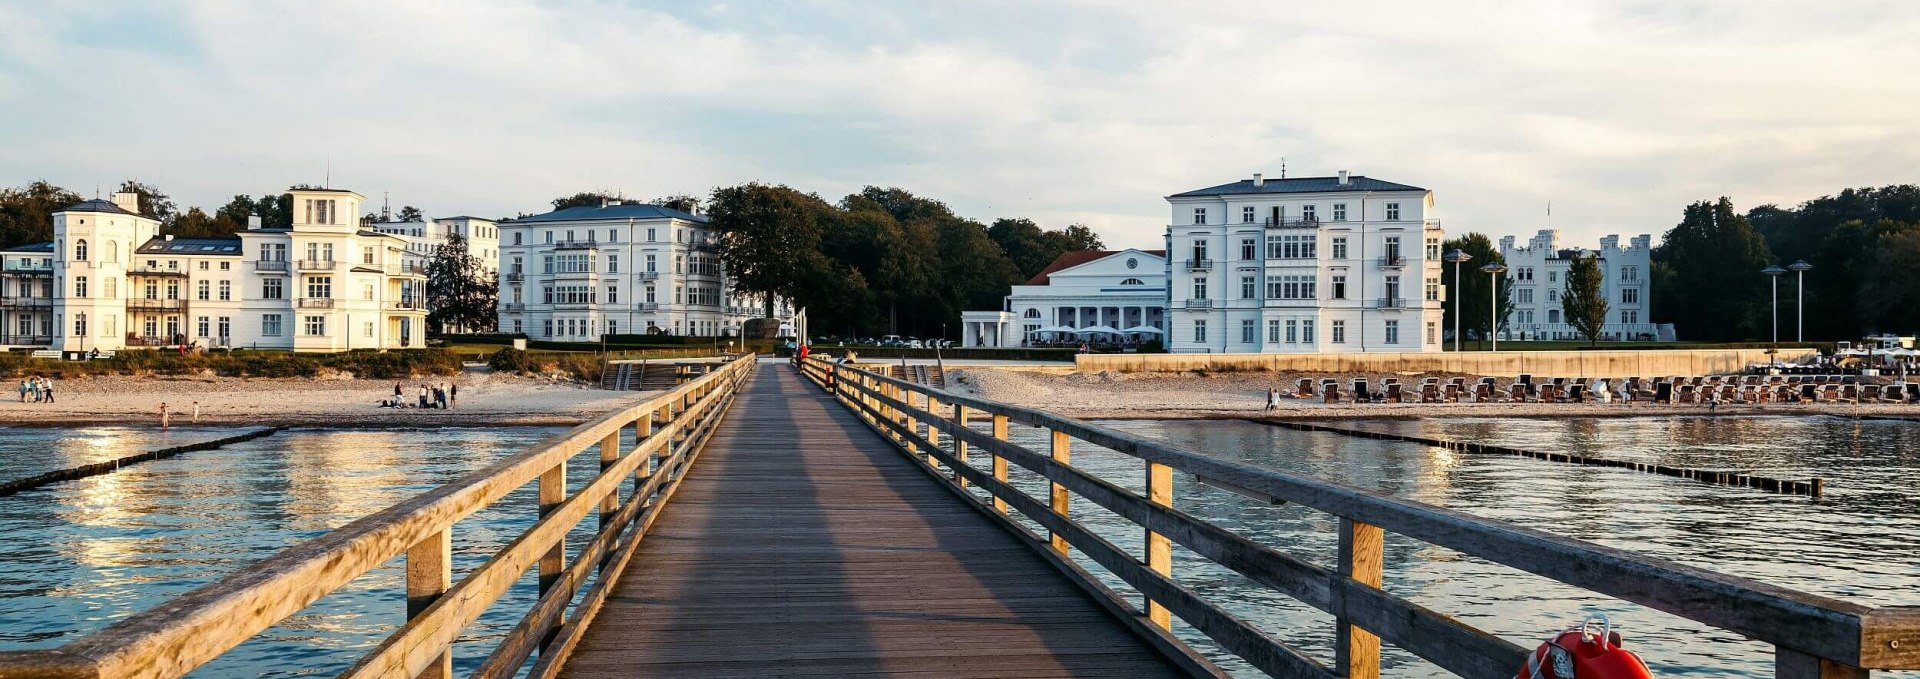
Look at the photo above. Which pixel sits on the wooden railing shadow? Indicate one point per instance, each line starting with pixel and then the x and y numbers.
pixel 171 640
pixel 1813 636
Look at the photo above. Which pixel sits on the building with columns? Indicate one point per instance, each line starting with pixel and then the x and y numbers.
pixel 1538 273
pixel 1336 264
pixel 1121 295
pixel 109 281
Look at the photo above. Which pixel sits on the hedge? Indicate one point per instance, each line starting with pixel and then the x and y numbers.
pixel 398 364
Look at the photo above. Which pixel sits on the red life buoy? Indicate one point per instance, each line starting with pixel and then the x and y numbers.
pixel 1583 653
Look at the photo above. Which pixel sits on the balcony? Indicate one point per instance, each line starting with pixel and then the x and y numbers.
pixel 142 304
pixel 515 277
pixel 270 266
pixel 1391 303
pixel 28 267
pixel 26 302
pixel 314 303
pixel 649 275
pixel 1307 223
pixel 315 265
pixel 407 269
pixel 1199 304
pixel 575 245
pixel 513 307
pixel 155 271
pixel 647 306
pixel 574 305
pixel 1199 264
pixel 403 305
pixel 1393 261
pixel 19 340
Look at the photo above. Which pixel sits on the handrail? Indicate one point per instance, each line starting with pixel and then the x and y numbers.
pixel 171 640
pixel 1813 636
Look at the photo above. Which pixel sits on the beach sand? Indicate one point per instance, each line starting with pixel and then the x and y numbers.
pixel 1109 395
pixel 485 399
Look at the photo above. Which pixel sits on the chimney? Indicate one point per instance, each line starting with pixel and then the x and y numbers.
pixel 128 201
pixel 603 201
pixel 1259 181
pixel 1343 177
pixel 254 223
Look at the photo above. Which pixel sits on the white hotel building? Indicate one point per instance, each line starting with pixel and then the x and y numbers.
pixel 424 238
pixel 110 281
pixel 1304 265
pixel 1121 293
pixel 618 268
pixel 1538 272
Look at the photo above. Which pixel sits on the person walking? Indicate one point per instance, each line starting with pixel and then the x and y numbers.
pixel 440 397
pixel 49 390
pixel 397 394
pixel 423 396
pixel 453 394
pixel 24 388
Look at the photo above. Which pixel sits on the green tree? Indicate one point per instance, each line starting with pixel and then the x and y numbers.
pixel 26 213
pixel 460 293
pixel 769 238
pixel 1584 301
pixel 409 213
pixel 236 211
pixel 1718 292
pixel 583 199
pixel 154 204
pixel 1032 249
pixel 1469 298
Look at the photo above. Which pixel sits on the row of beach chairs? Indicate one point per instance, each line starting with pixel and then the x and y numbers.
pixel 1687 390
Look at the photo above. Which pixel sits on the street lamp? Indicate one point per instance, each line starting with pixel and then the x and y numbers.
pixel 1458 257
pixel 1774 272
pixel 1799 269
pixel 1494 269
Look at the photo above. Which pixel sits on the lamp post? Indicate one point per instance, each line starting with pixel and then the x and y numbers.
pixel 1458 257
pixel 1494 269
pixel 1774 272
pixel 1799 269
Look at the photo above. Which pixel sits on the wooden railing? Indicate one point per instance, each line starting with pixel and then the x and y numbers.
pixel 173 639
pixel 1813 636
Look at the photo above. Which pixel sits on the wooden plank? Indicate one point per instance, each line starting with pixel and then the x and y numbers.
pixel 1159 549
pixel 1057 494
pixel 429 573
pixel 1361 559
pixel 999 463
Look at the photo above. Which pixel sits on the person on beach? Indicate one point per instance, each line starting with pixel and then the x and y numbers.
pixel 397 394
pixel 1273 399
pixel 440 398
pixel 423 396
pixel 47 387
pixel 453 394
pixel 24 388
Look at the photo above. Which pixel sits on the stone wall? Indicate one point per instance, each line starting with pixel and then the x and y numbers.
pixel 1621 363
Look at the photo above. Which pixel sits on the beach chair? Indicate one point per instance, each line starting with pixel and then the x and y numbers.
pixel 1749 393
pixel 1329 391
pixel 1913 393
pixel 1729 393
pixel 1548 392
pixel 1393 393
pixel 1517 392
pixel 1850 392
pixel 1869 392
pixel 1303 388
pixel 1483 392
pixel 1577 392
pixel 1453 392
pixel 1689 394
pixel 1829 392
pixel 1360 394
pixel 1430 392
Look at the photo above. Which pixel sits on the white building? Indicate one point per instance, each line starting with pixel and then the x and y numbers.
pixel 109 281
pixel 1303 265
pixel 1538 272
pixel 1123 293
pixel 424 238
pixel 617 268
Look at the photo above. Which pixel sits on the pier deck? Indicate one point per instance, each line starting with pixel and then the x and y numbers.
pixel 802 544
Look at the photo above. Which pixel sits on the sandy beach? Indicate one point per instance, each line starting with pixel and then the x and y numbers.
pixel 1109 395
pixel 485 398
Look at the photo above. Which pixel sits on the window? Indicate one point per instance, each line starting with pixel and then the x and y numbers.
pixel 613 236
pixel 649 292
pixel 1393 287
pixel 516 238
pixel 226 266
pixel 1629 273
pixel 226 327
pixel 1246 216
pixel 226 290
pixel 1340 247
pixel 516 322
pixel 1393 214
pixel 1629 316
pixel 1553 296
pixel 203 291
pixel 1339 332
pixel 113 255
pixel 366 254
pixel 613 263
pixel 1553 315
pixel 1629 295
pixel 366 292
pixel 107 325
pixel 1306 331
pixel 316 326
pixel 1248 286
pixel 270 288
pixel 574 263
pixel 203 265
pixel 549 242
pixel 650 235
pixel 1523 295
pixel 1248 334
pixel 1199 288
pixel 1299 247
pixel 1393 332
pixel 319 286
pixel 1339 286
pixel 204 327
pixel 173 290
pixel 79 286
pixel 1433 333
pixel 1249 249
pixel 546 294
pixel 80 255
pixel 1307 213
pixel 1433 289
pixel 1393 248
pixel 1199 215
pixel 1293 331
pixel 1433 249
pixel 650 263
pixel 1199 251
pixel 1292 287
pixel 1339 212
pixel 1553 276
pixel 1273 331
pixel 1132 281
pixel 1199 330
pixel 112 288
pixel 613 294
pixel 80 324
pixel 546 328
pixel 367 329
pixel 1273 246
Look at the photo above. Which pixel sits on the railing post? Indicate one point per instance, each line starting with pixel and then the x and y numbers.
pixel 999 463
pixel 643 430
pixel 1792 664
pixel 553 491
pixel 1362 553
pixel 959 445
pixel 1059 492
pixel 1159 547
pixel 429 574
pixel 933 432
pixel 609 455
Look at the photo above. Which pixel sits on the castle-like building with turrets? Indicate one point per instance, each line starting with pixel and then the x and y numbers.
pixel 1538 271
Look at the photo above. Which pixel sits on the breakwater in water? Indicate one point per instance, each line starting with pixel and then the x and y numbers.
pixel 115 464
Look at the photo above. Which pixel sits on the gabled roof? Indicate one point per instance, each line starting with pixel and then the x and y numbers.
pixel 30 247
pixel 97 205
pixel 621 211
pixel 190 246
pixel 1298 185
pixel 1073 258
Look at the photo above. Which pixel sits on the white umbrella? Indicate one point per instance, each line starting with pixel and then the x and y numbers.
pixel 1097 329
pixel 1145 328
pixel 1055 328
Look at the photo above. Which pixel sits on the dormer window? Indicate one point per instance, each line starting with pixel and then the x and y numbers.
pixel 1133 281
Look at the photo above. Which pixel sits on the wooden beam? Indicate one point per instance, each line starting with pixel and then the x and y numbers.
pixel 609 454
pixel 1058 493
pixel 1356 651
pixel 999 463
pixel 429 574
pixel 1159 549
pixel 1792 664
pixel 959 444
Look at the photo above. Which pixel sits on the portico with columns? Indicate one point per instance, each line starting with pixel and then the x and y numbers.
pixel 1121 293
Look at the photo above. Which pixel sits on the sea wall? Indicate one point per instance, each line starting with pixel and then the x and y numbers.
pixel 1621 363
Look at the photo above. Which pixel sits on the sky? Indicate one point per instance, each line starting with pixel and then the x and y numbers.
pixel 1618 114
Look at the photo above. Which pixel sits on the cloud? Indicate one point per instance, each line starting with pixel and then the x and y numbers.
pixel 1060 111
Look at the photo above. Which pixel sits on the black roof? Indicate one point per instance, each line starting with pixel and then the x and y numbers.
pixel 190 246
pixel 30 247
pixel 1298 185
pixel 621 211
pixel 96 205
pixel 291 189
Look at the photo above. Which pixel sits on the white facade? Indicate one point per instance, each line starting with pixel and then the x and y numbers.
pixel 1123 292
pixel 1304 265
pixel 109 281
pixel 1538 272
pixel 618 268
pixel 423 238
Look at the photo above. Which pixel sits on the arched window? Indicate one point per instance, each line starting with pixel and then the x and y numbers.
pixel 80 250
pixel 1132 281
pixel 1033 313
pixel 113 251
